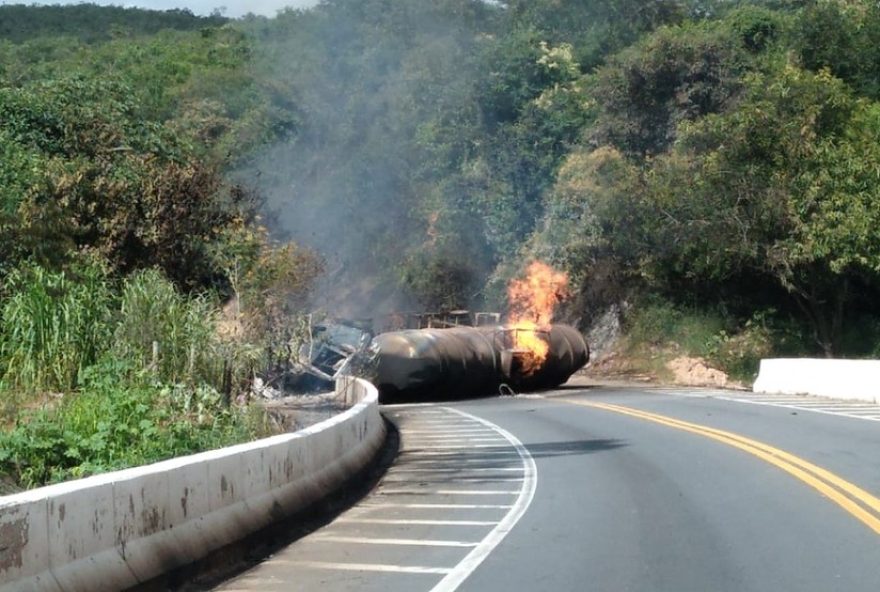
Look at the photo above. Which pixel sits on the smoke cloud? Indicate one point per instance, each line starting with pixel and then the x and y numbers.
pixel 353 181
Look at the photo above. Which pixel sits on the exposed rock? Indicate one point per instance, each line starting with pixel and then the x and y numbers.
pixel 604 333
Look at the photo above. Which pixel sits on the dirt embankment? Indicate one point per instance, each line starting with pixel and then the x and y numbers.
pixel 695 372
pixel 660 369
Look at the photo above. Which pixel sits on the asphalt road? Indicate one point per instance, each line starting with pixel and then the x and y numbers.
pixel 607 490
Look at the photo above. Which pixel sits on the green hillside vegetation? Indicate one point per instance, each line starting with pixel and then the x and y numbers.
pixel 122 236
pixel 711 165
pixel 90 23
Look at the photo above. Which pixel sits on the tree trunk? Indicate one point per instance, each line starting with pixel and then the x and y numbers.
pixel 826 315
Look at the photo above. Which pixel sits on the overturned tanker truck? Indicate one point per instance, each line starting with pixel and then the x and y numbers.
pixel 460 362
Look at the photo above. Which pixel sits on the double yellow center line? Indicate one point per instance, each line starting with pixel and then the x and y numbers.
pixel 855 500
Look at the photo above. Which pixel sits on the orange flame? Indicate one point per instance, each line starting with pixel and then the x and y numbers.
pixel 532 301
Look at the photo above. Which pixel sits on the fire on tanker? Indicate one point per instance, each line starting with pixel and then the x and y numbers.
pixel 532 301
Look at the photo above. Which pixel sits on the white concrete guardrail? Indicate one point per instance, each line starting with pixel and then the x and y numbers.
pixel 113 531
pixel 857 380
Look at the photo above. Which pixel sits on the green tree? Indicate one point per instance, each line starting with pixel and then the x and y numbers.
pixel 597 28
pixel 676 75
pixel 843 37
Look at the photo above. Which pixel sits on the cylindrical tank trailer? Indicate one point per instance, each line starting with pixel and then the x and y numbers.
pixel 460 362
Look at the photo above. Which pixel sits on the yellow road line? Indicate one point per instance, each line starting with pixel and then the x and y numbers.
pixel 816 477
pixel 855 491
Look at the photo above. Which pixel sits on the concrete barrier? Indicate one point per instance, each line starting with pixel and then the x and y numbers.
pixel 116 530
pixel 838 379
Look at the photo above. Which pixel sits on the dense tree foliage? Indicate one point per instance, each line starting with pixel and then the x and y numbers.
pixel 106 181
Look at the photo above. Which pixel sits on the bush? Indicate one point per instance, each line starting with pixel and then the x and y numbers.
pixel 110 425
pixel 739 354
pixel 725 342
pixel 72 333
pixel 662 323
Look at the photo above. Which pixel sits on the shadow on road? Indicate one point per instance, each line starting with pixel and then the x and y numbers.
pixel 573 447
pixel 507 452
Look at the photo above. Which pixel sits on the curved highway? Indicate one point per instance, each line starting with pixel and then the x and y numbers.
pixel 609 489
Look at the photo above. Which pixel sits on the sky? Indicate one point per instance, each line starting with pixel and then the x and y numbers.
pixel 233 8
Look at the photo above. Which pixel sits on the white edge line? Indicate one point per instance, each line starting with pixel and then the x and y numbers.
pixel 447 447
pixel 450 432
pixel 466 566
pixel 446 492
pixel 458 437
pixel 779 404
pixel 452 478
pixel 457 470
pixel 422 452
pixel 454 461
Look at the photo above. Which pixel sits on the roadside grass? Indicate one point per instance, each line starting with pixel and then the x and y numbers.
pixel 108 426
pixel 97 375
pixel 176 338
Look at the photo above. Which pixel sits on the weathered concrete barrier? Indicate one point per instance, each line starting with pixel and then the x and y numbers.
pixel 838 379
pixel 113 531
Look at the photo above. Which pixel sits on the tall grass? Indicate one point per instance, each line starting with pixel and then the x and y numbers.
pixel 153 314
pixel 175 338
pixel 656 322
pixel 52 326
pixel 658 330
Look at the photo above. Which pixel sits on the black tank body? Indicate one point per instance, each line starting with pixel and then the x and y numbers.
pixel 462 362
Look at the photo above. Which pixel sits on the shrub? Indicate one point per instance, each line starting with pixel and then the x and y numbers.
pixel 662 323
pixel 109 425
pixel 739 354
pixel 123 402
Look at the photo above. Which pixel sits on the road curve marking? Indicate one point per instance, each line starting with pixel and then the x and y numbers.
pixel 386 541
pixel 466 566
pixel 403 521
pixel 860 504
pixel 332 565
pixel 440 506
